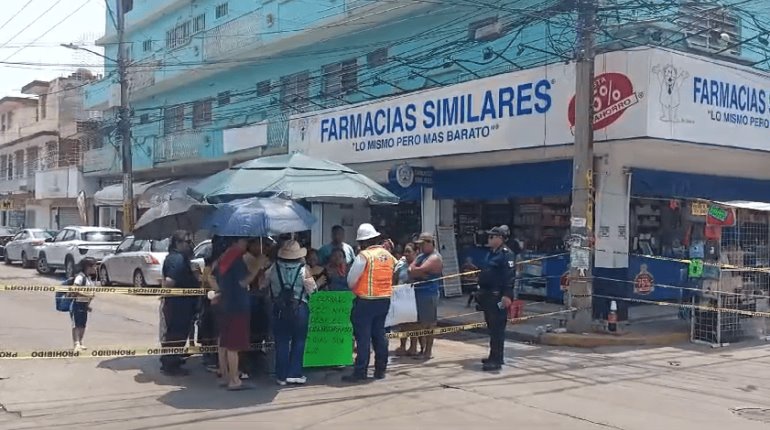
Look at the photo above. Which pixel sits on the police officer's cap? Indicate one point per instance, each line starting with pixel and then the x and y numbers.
pixel 502 231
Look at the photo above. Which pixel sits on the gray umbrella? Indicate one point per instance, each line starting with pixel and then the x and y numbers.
pixel 160 221
pixel 292 176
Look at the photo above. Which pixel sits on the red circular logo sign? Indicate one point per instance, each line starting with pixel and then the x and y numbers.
pixel 613 94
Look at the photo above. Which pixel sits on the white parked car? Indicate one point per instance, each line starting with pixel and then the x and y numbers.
pixel 136 262
pixel 26 245
pixel 72 244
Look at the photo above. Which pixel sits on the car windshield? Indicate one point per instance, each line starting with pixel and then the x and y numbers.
pixel 203 251
pixel 102 236
pixel 41 234
pixel 160 245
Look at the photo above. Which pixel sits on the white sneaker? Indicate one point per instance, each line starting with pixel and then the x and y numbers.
pixel 298 381
pixel 281 383
pixel 78 347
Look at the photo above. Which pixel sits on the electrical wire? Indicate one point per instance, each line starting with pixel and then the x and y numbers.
pixel 66 17
pixel 45 12
pixel 435 58
pixel 2 26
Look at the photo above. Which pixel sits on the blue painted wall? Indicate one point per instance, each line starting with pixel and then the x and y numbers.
pixel 428 46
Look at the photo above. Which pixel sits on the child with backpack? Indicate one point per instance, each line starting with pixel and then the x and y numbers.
pixel 81 302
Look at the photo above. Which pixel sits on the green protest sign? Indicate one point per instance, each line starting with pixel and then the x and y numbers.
pixel 330 334
pixel 696 268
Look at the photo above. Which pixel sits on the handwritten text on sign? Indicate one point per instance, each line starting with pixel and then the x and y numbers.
pixel 330 335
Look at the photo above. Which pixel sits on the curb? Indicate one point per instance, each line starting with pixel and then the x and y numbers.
pixel 590 340
pixel 598 340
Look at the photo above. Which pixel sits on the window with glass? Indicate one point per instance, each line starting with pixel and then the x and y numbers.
pixel 102 236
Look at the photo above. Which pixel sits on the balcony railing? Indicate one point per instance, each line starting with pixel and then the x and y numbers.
pixel 17 185
pixel 62 182
pixel 233 36
pixel 278 131
pixel 180 146
pixel 101 160
pixel 97 95
pixel 15 133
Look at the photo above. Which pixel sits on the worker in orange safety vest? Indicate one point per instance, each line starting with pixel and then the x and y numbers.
pixel 370 278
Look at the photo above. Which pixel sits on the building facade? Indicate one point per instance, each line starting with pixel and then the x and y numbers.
pixel 42 140
pixel 213 82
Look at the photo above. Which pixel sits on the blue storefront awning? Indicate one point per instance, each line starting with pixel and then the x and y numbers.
pixel 548 178
pixel 659 183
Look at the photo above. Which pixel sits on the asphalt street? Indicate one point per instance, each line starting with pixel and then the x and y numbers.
pixel 685 387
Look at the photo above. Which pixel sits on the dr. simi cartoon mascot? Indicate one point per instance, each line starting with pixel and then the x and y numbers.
pixel 671 81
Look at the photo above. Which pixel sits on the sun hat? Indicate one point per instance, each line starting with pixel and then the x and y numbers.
pixel 426 237
pixel 291 250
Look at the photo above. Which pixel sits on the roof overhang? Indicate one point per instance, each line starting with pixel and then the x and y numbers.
pixel 35 88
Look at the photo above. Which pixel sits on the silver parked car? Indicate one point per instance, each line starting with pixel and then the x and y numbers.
pixel 135 262
pixel 26 245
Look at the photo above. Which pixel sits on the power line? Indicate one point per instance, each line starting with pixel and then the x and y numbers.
pixel 50 29
pixel 45 12
pixel 16 14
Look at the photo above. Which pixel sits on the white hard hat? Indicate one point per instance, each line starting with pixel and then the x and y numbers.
pixel 366 232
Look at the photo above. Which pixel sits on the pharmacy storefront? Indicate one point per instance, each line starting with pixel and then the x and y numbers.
pixel 498 150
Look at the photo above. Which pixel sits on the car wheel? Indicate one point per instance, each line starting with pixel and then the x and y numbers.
pixel 139 281
pixel 104 277
pixel 42 265
pixel 24 260
pixel 69 267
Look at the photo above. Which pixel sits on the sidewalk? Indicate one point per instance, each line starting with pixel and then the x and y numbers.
pixel 647 325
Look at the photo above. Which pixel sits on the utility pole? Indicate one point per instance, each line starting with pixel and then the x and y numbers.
pixel 581 231
pixel 124 123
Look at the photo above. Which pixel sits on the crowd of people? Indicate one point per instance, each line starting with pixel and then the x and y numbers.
pixel 259 291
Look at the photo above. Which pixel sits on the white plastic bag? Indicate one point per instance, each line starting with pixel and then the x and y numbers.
pixel 403 306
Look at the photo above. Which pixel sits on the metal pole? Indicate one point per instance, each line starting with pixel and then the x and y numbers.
pixel 581 283
pixel 124 124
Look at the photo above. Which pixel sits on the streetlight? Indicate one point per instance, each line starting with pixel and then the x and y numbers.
pixel 80 48
pixel 124 123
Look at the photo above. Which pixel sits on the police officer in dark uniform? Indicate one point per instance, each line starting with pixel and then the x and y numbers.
pixel 496 294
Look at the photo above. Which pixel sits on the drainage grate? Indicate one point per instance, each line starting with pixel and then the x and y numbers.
pixel 755 414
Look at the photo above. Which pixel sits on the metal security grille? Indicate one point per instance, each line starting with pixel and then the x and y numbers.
pixel 180 146
pixel 233 36
pixel 736 281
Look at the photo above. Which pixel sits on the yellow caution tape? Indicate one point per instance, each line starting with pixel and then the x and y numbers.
pixel 465 327
pixel 725 267
pixel 122 351
pixel 116 352
pixel 183 292
pixel 688 306
pixel 149 291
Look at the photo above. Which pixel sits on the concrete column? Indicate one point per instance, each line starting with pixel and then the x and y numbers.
pixel 316 233
pixel 612 215
pixel 429 211
pixel 446 212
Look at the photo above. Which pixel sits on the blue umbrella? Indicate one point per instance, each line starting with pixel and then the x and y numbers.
pixel 258 217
